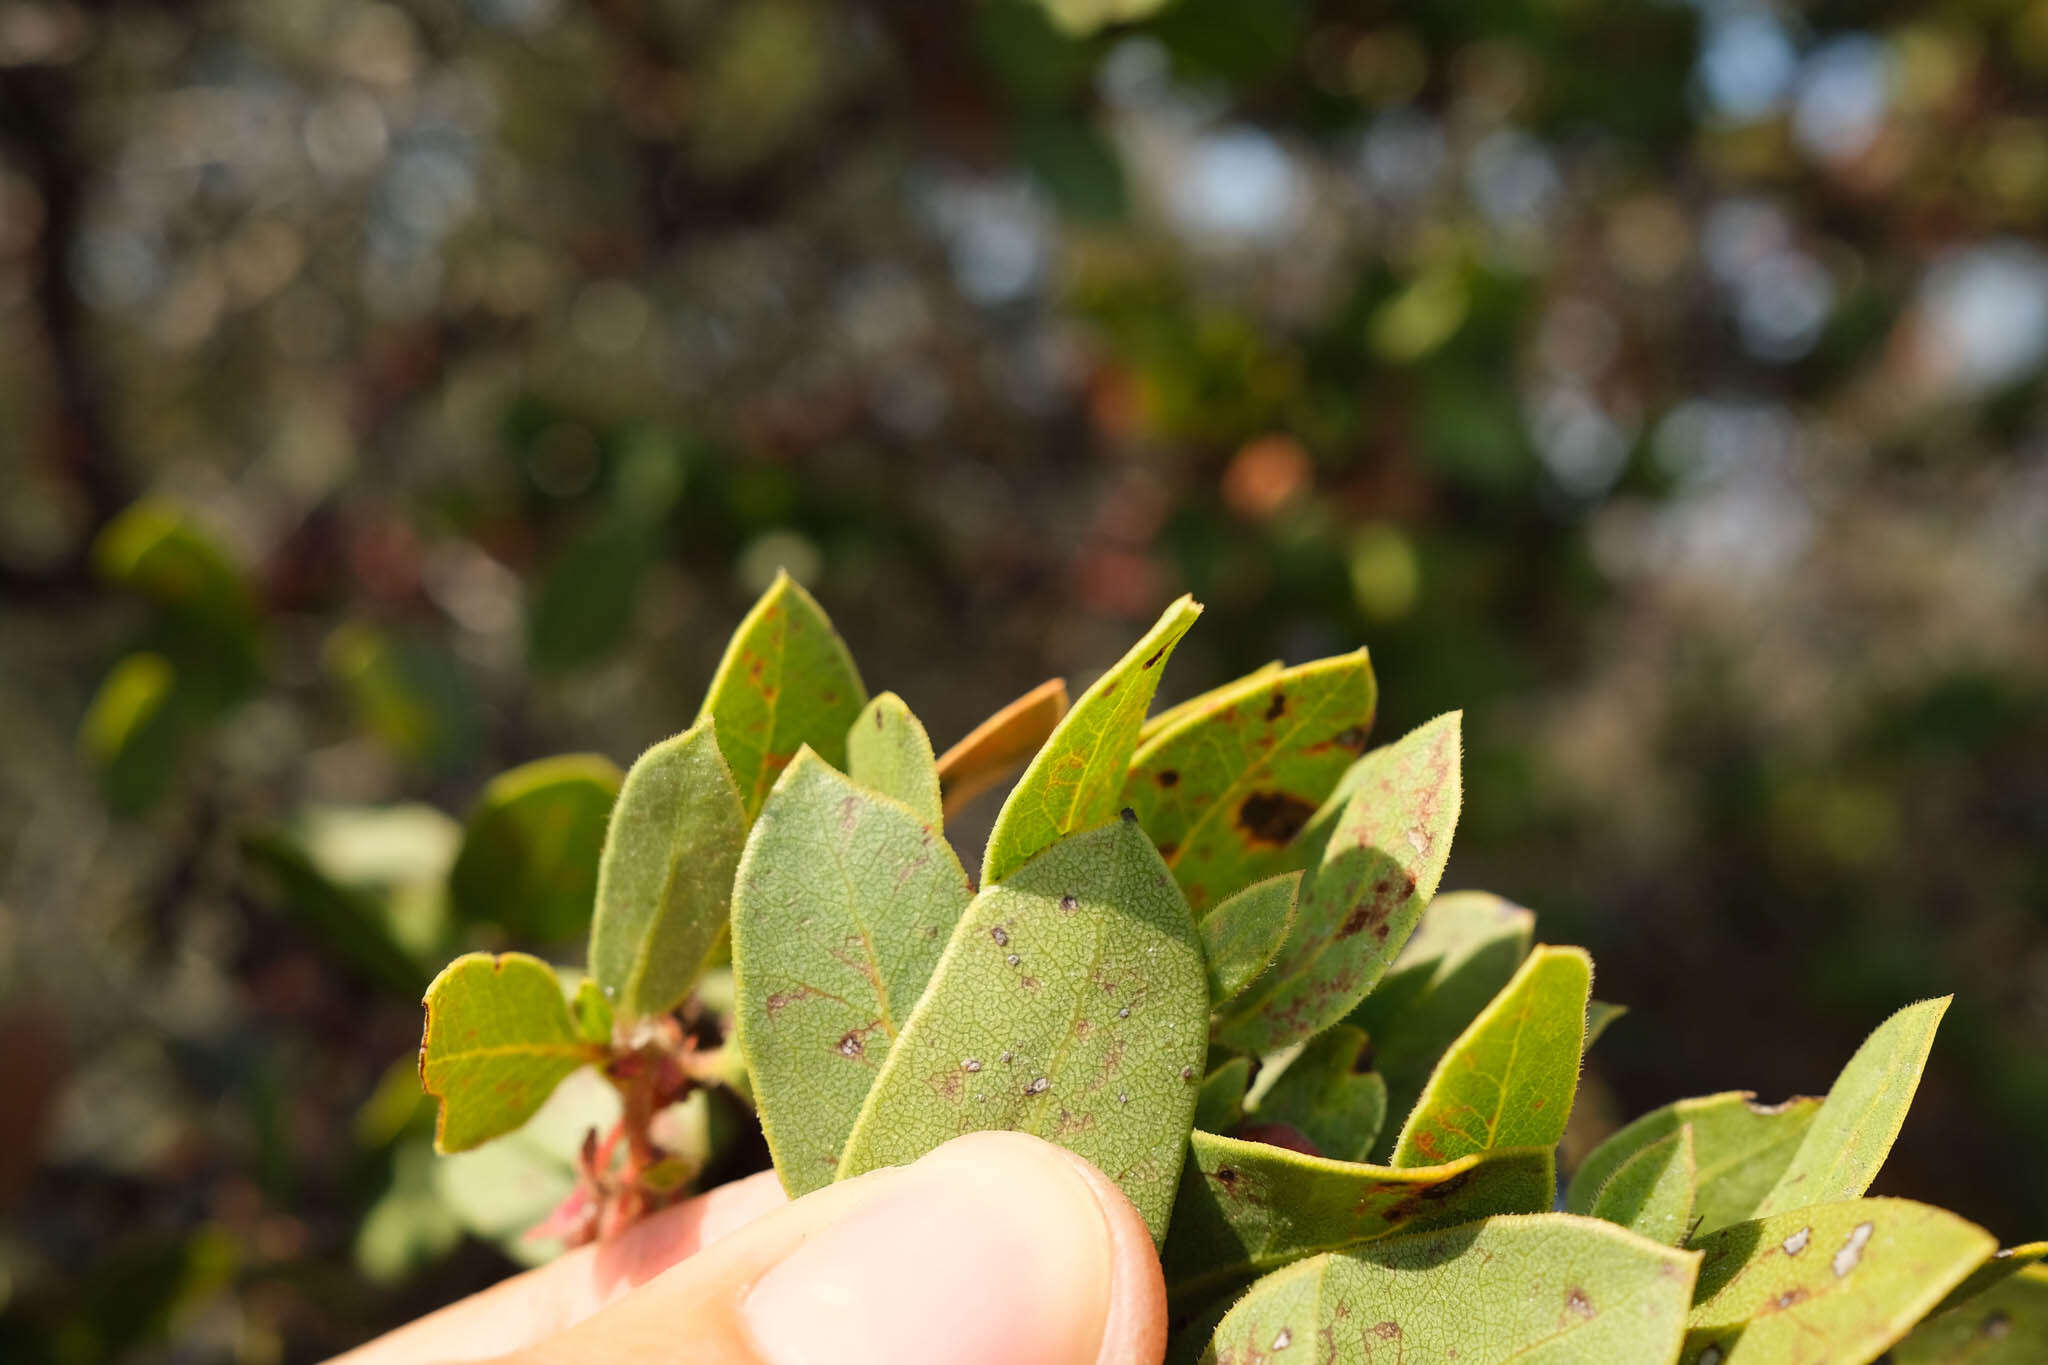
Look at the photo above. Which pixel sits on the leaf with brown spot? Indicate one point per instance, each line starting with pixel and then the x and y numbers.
pixel 842 905
pixel 1203 702
pixel 1509 1079
pixel 1251 763
pixel 1124 960
pixel 1076 781
pixel 1835 1282
pixel 1246 1207
pixel 786 681
pixel 1539 1289
pixel 999 745
pixel 1362 899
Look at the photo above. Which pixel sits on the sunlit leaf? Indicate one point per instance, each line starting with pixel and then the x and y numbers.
pixel 999 745
pixel 1361 901
pixel 530 851
pixel 1330 1093
pixel 1076 781
pixel 1740 1148
pixel 1541 1289
pixel 1224 789
pixel 888 751
pixel 844 901
pixel 498 1040
pixel 786 681
pixel 1862 1114
pixel 1071 1003
pixel 1242 936
pixel 1201 702
pixel 664 880
pixel 1834 1282
pixel 1651 1192
pixel 1244 1208
pixel 1466 948
pixel 1509 1079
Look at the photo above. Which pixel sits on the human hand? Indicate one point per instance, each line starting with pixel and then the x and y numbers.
pixel 995 1249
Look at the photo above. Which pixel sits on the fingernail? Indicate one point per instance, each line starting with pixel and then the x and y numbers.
pixel 991 1250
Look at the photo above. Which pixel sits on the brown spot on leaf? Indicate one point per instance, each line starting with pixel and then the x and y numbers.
pixel 1278 708
pixel 1155 657
pixel 782 1000
pixel 1790 1298
pixel 1273 817
pixel 1167 777
pixel 1575 1301
pixel 1387 1331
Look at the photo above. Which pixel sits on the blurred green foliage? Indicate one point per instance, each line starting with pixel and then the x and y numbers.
pixel 392 395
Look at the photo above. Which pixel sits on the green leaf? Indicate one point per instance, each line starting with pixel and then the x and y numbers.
pixel 2007 1262
pixel 1244 1208
pixel 529 854
pixel 1071 1003
pixel 155 549
pixel 410 692
pixel 1224 789
pixel 786 681
pixel 1242 936
pixel 503 1189
pixel 1509 1079
pixel 1862 1114
pixel 1363 898
pixel 584 602
pixel 134 731
pixel 1205 701
pixel 843 903
pixel 1220 1104
pixel 498 1040
pixel 2006 1324
pixel 1740 1148
pixel 1834 1282
pixel 1651 1192
pixel 1542 1289
pixel 888 751
pixel 1076 780
pixel 1331 1095
pixel 1079 18
pixel 592 1012
pixel 664 881
pixel 1466 948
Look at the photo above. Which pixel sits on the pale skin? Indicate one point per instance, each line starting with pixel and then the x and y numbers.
pixel 996 1249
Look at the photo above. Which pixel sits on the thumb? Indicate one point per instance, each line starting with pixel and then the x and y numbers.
pixel 995 1249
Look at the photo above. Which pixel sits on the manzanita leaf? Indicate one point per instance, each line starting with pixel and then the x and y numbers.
pixel 1651 1193
pixel 1076 780
pixel 888 751
pixel 1740 1148
pixel 2004 1263
pixel 999 745
pixel 1541 1289
pixel 843 903
pixel 1220 1103
pixel 786 681
pixel 2006 1324
pixel 592 1012
pixel 1224 789
pixel 1245 1208
pixel 529 853
pixel 1862 1114
pixel 1509 1079
pixel 1330 1093
pixel 664 883
pixel 1466 948
pixel 1363 897
pixel 1833 1282
pixel 1242 936
pixel 1071 1003
pixel 498 1040
pixel 1205 701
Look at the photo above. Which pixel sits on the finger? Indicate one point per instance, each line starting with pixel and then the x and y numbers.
pixel 996 1249
pixel 531 1307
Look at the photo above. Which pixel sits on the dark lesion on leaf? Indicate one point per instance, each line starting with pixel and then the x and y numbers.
pixel 1277 707
pixel 1167 777
pixel 1273 817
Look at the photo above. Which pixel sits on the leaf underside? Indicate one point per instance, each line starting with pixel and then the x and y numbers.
pixel 1071 1003
pixel 843 904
